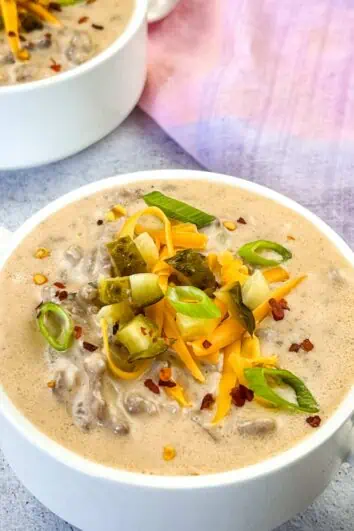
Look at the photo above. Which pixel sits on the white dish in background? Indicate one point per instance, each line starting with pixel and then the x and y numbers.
pixel 97 498
pixel 47 120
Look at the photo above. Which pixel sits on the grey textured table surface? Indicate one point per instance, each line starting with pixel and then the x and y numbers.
pixel 137 145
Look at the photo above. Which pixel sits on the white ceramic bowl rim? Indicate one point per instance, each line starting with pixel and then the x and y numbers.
pixel 137 18
pixel 84 466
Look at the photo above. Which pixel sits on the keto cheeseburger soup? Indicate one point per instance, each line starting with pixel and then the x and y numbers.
pixel 153 329
pixel 39 39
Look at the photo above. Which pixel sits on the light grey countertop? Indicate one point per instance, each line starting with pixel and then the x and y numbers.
pixel 138 144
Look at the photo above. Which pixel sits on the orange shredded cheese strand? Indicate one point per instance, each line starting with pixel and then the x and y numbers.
pixel 10 17
pixel 172 332
pixel 264 309
pixel 251 348
pixel 177 394
pixel 213 359
pixel 226 333
pixel 277 274
pixel 130 226
pixel 116 371
pixel 227 382
pixel 185 227
pixel 41 12
pixel 185 240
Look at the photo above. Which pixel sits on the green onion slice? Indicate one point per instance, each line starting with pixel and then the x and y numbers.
pixel 258 383
pixel 193 302
pixel 56 326
pixel 178 210
pixel 250 253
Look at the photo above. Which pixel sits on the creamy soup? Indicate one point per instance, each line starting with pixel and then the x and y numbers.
pixel 208 392
pixel 82 31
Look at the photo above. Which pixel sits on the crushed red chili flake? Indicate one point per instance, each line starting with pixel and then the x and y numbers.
pixel 207 402
pixel 307 345
pixel 284 304
pixel 314 421
pixel 237 399
pixel 48 36
pixel 206 344
pixel 242 221
pixel 63 295
pixel 54 6
pixel 77 332
pixel 167 383
pixel 97 26
pixel 240 394
pixel 55 67
pixel 294 347
pixel 277 310
pixel 59 285
pixel 100 222
pixel 89 346
pixel 82 20
pixel 12 34
pixel 154 388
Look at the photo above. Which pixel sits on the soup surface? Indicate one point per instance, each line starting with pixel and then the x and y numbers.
pixel 166 421
pixel 85 29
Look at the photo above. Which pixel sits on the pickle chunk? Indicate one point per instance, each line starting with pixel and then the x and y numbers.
pixel 192 268
pixel 125 257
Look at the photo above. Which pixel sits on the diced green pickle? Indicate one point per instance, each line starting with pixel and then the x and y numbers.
pixel 192 268
pixel 113 290
pixel 126 258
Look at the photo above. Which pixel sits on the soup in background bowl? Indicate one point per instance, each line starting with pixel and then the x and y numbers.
pixel 57 36
pixel 195 345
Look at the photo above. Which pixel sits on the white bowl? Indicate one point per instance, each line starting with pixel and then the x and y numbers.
pixel 50 119
pixel 97 498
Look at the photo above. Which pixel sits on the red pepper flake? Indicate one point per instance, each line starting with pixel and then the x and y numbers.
pixel 89 346
pixel 97 27
pixel 48 36
pixel 100 222
pixel 306 345
pixel 207 402
pixel 59 285
pixel 284 304
pixel 54 6
pixel 206 344
pixel 240 394
pixel 63 295
pixel 168 383
pixel 56 67
pixel 82 20
pixel 12 34
pixel 154 388
pixel 295 347
pixel 314 422
pixel 77 332
pixel 277 310
pixel 242 221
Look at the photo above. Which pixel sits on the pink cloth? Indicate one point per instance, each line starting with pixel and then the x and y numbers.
pixel 263 89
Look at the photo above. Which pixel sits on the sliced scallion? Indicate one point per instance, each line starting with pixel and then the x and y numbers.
pixel 193 302
pixel 56 326
pixel 258 383
pixel 175 209
pixel 250 253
